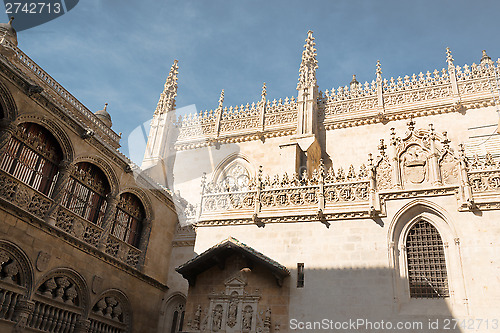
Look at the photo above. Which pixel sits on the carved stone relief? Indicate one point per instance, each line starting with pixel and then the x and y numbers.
pixel 42 261
pixel 414 165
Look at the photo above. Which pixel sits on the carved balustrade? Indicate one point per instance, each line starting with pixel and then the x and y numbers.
pixel 419 94
pixel 266 198
pixel 37 204
pixel 122 251
pixel 23 196
pixel 484 174
pixel 249 118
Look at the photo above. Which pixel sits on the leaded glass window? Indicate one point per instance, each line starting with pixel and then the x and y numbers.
pixel 86 192
pixel 426 262
pixel 33 156
pixel 128 219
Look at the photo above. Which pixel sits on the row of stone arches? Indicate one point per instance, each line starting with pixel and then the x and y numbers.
pixel 38 152
pixel 58 301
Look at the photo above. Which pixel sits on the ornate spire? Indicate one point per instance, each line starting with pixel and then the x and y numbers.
pixel 485 59
pixel 166 102
pixel 379 70
pixel 354 83
pixel 449 58
pixel 309 64
pixel 264 91
pixel 221 99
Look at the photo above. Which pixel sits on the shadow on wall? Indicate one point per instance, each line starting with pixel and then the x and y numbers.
pixel 368 300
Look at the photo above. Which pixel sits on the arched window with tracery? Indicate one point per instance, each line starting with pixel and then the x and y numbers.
pixel 33 156
pixel 427 274
pixel 234 177
pixel 173 320
pixel 128 220
pixel 86 191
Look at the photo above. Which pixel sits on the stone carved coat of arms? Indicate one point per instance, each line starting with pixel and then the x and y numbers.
pixel 414 164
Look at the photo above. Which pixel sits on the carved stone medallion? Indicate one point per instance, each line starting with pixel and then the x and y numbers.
pixel 42 261
pixel 96 284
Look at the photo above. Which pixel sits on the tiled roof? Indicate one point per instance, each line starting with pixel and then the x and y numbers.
pixel 204 261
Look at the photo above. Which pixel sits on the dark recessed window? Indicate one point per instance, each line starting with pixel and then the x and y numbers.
pixel 86 192
pixel 33 156
pixel 128 219
pixel 300 275
pixel 426 262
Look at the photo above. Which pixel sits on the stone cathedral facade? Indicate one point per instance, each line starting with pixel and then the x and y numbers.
pixel 377 202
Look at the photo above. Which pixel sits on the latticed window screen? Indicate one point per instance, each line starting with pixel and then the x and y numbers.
pixel 33 156
pixel 86 192
pixel 426 262
pixel 128 219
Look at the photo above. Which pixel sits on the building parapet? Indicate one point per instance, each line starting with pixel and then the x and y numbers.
pixel 448 90
pixel 59 94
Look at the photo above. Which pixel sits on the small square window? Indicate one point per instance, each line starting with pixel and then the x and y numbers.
pixel 300 275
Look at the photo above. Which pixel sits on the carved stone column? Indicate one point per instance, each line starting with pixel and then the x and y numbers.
pixel 7 129
pixel 108 220
pixel 82 326
pixel 109 214
pixel 24 308
pixel 144 240
pixel 65 170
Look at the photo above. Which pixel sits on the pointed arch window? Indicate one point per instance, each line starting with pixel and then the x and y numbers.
pixel 235 178
pixel 427 273
pixel 33 156
pixel 128 220
pixel 86 192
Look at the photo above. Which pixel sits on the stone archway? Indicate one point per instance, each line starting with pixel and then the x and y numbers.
pixel 173 314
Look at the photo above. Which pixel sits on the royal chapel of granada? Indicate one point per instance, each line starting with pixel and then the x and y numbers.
pixel 376 202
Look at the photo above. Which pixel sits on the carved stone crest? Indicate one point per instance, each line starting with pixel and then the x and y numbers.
pixel 96 284
pixel 42 261
pixel 414 164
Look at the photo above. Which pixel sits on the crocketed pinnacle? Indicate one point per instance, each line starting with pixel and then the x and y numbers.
pixel 221 99
pixel 485 59
pixel 166 102
pixel 449 57
pixel 309 64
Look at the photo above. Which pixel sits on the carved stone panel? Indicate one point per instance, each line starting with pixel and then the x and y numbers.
pixel 414 166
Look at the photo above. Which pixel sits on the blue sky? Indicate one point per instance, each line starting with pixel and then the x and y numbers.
pixel 120 52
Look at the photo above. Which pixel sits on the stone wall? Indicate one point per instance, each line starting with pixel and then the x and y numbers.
pixel 216 284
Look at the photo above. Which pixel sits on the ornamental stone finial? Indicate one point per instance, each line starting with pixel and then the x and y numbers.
pixel 449 57
pixel 411 124
pixel 309 64
pixel 446 142
pixel 382 147
pixel 264 91
pixel 221 99
pixel 485 59
pixel 379 70
pixel 166 102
